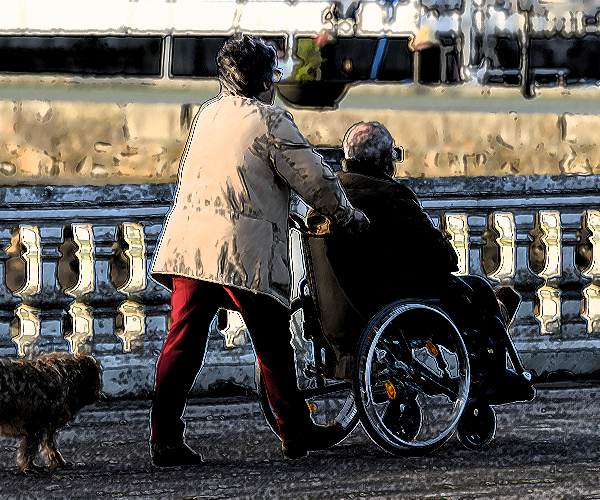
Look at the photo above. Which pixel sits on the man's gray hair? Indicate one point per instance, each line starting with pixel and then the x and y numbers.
pixel 369 142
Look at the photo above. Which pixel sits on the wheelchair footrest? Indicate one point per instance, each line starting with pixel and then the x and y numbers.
pixel 498 388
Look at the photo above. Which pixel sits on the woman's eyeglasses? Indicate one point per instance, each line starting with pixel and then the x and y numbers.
pixel 276 75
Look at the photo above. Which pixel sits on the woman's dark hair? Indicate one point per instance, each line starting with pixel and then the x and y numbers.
pixel 244 63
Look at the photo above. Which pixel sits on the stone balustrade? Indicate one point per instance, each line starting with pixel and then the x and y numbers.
pixel 540 235
pixel 74 273
pixel 74 277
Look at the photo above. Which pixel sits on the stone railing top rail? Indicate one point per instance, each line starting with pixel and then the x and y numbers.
pixel 572 190
pixel 86 196
pixel 477 187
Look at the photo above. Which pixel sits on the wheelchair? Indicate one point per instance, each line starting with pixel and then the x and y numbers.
pixel 413 379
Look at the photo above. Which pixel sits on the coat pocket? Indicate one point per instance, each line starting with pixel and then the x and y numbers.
pixel 253 250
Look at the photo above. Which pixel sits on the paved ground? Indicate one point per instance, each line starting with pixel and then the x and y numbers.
pixel 546 449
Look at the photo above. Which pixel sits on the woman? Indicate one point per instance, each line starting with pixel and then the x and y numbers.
pixel 225 244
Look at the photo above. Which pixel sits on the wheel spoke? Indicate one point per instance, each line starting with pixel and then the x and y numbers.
pixel 411 387
pixel 334 402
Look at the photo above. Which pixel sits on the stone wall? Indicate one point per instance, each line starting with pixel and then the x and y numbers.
pixel 473 144
pixel 66 143
pixel 54 143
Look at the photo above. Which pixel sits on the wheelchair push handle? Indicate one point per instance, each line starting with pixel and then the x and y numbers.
pixel 317 225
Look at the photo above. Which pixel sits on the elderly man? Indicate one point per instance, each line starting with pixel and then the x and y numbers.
pixel 401 245
pixel 225 244
pixel 402 255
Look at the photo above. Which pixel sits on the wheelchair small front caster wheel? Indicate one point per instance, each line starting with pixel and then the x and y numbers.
pixel 477 425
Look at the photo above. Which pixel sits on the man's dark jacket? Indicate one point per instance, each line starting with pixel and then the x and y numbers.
pixel 400 255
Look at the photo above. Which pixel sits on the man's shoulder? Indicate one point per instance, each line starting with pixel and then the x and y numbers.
pixel 386 191
pixel 363 181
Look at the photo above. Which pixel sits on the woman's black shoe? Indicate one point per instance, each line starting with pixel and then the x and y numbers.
pixel 173 456
pixel 316 437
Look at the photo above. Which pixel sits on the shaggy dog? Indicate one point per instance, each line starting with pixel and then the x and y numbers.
pixel 39 396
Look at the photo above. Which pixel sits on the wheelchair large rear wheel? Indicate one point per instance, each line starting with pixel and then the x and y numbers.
pixel 411 378
pixel 327 408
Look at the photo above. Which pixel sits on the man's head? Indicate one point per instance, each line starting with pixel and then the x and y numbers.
pixel 246 65
pixel 370 144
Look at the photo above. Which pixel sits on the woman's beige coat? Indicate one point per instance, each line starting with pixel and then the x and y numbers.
pixel 229 220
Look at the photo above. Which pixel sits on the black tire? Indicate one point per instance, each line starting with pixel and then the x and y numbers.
pixel 325 410
pixel 411 353
pixel 477 426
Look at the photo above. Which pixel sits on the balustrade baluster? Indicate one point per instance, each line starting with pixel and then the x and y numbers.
pixel 572 281
pixel 104 293
pixel 25 327
pixel 571 277
pixel 476 226
pixel 234 330
pixel 25 330
pixel 8 301
pixel 83 236
pixel 525 281
pixel 81 330
pixel 104 298
pixel 548 307
pixel 132 326
pixel 505 226
pixel 456 226
pixel 51 299
pixel 32 255
pixel 591 294
pixel 155 297
pixel 133 235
